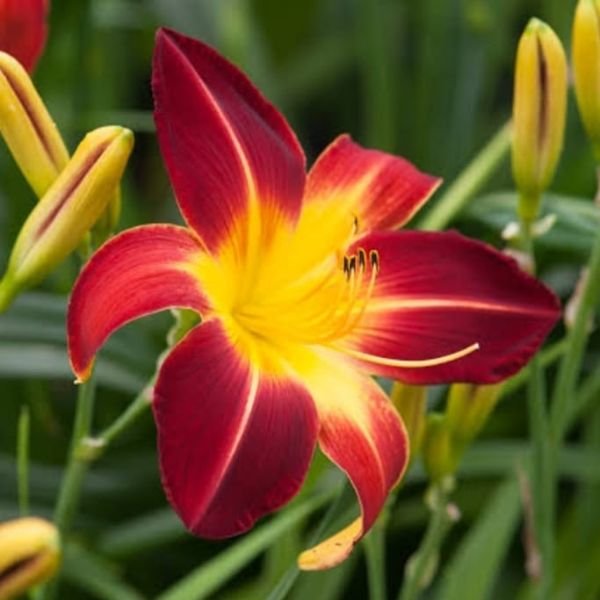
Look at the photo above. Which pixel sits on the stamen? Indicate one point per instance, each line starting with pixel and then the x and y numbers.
pixel 409 364
pixel 357 300
pixel 362 259
pixel 374 260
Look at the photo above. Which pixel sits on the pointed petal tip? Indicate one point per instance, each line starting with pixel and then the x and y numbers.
pixel 332 551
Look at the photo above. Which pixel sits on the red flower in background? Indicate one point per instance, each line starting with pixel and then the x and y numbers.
pixel 23 29
pixel 305 289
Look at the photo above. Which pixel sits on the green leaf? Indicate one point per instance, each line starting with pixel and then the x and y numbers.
pixel 474 566
pixel 146 532
pixel 24 360
pixel 202 582
pixel 577 219
pixel 95 576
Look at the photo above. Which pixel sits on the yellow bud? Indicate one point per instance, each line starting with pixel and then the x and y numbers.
pixel 28 129
pixel 539 111
pixel 468 409
pixel 68 210
pixel 586 67
pixel 437 449
pixel 29 555
pixel 411 402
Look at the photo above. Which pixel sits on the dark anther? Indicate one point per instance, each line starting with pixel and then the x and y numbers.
pixel 374 259
pixel 362 259
pixel 352 264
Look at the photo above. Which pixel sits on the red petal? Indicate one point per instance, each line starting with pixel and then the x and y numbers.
pixel 363 434
pixel 234 444
pixel 438 293
pixel 23 29
pixel 141 271
pixel 223 143
pixel 381 190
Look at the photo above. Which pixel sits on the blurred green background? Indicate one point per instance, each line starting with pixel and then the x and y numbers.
pixel 428 79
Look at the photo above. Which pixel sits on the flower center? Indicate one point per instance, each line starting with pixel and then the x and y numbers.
pixel 323 305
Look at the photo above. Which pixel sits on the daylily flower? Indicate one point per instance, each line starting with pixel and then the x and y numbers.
pixel 23 29
pixel 304 291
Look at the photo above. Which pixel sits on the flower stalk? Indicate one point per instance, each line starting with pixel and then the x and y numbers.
pixel 422 566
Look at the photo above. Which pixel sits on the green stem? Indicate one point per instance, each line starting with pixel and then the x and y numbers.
pixel 470 181
pixel 23 460
pixel 423 562
pixel 70 489
pixel 138 407
pixel 542 457
pixel 374 545
pixel 588 392
pixel 542 475
pixel 570 365
pixel 77 466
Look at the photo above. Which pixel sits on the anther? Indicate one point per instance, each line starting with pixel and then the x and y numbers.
pixel 346 266
pixel 352 264
pixel 374 260
pixel 362 259
pixel 355 224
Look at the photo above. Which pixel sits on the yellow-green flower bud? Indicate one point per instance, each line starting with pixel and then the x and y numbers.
pixel 539 111
pixel 411 402
pixel 29 555
pixel 68 210
pixel 28 128
pixel 586 67
pixel 468 409
pixel 437 450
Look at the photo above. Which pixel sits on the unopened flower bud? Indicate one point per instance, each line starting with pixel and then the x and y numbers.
pixel 28 129
pixel 411 402
pixel 539 111
pixel 586 67
pixel 29 555
pixel 468 409
pixel 71 206
pixel 437 448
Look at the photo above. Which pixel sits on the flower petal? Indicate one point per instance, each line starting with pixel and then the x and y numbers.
pixel 439 293
pixel 363 434
pixel 226 147
pixel 23 29
pixel 381 190
pixel 234 444
pixel 141 271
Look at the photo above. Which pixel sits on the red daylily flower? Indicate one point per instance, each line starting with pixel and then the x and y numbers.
pixel 304 291
pixel 23 29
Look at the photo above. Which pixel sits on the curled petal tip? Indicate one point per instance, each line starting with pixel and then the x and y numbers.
pixel 332 551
